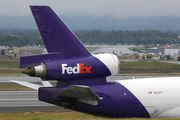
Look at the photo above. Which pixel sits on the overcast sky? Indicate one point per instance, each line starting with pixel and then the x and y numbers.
pixel 116 9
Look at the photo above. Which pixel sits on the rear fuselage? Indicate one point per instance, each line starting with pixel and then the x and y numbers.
pixel 149 97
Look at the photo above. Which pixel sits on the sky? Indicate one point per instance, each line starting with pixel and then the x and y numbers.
pixel 94 9
pixel 111 8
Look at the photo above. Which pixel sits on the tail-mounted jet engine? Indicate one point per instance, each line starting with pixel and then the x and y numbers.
pixel 72 69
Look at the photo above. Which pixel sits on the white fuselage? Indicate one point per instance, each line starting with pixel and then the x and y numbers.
pixel 160 96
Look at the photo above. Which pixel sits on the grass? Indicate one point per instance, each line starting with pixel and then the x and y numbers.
pixel 45 116
pixel 64 116
pixel 6 71
pixel 13 87
pixel 131 48
pixel 16 87
pixel 9 63
pixel 148 67
pixel 91 48
pixel 9 67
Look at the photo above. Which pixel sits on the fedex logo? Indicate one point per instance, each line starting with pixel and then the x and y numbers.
pixel 80 68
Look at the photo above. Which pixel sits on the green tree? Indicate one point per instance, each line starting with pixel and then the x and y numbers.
pixel 2 52
pixel 149 56
pixel 168 57
pixel 178 58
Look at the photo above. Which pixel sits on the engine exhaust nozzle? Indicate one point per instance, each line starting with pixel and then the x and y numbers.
pixel 30 71
pixel 37 71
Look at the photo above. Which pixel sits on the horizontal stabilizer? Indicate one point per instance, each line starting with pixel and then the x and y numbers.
pixel 34 60
pixel 46 84
pixel 81 93
pixel 33 86
pixel 27 84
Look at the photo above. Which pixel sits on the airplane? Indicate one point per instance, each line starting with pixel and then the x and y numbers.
pixel 81 77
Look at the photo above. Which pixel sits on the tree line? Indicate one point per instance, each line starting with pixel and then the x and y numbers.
pixel 129 37
pixel 21 37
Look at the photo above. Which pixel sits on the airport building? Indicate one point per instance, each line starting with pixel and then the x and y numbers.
pixel 24 51
pixel 163 50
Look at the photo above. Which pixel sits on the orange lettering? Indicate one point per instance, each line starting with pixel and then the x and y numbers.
pixel 88 69
pixel 81 68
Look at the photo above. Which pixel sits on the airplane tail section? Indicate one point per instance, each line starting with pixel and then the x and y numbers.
pixel 60 41
pixel 81 77
pixel 56 35
pixel 67 58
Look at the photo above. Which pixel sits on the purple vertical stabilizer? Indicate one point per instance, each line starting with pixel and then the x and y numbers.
pixel 56 35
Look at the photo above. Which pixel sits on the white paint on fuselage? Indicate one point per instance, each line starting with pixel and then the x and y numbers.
pixel 164 101
pixel 111 61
